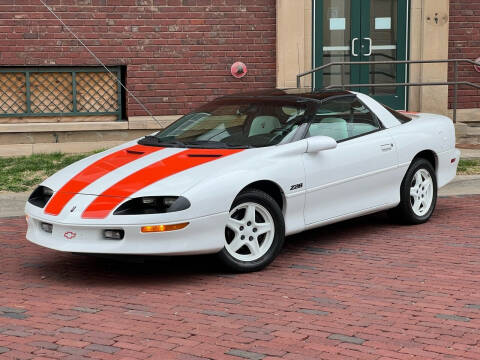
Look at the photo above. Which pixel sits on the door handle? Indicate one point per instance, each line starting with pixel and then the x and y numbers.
pixel 369 47
pixel 354 40
pixel 386 147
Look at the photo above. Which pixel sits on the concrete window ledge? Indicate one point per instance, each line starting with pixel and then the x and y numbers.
pixel 146 122
pixel 70 126
pixel 120 132
pixel 133 123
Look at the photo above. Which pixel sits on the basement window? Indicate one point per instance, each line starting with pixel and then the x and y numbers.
pixel 60 91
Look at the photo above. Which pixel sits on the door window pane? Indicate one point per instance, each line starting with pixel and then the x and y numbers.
pixel 336 40
pixel 383 32
pixel 343 119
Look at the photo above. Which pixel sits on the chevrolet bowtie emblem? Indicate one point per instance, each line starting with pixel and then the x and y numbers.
pixel 69 235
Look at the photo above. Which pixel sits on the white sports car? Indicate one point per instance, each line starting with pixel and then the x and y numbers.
pixel 242 172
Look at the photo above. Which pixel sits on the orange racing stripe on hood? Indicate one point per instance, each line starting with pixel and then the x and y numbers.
pixel 104 204
pixel 93 172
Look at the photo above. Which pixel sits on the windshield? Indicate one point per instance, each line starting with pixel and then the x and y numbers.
pixel 234 123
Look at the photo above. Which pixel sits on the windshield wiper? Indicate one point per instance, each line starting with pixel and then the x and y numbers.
pixel 214 144
pixel 150 140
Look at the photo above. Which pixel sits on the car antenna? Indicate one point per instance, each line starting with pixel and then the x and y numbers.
pixel 101 63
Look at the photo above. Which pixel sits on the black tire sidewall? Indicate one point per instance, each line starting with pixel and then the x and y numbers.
pixel 265 200
pixel 405 205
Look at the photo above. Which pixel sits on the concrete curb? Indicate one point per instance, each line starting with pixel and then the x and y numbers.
pixel 462 185
pixel 12 204
pixel 470 154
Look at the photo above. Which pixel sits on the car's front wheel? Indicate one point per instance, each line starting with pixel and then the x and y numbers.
pixel 254 233
pixel 418 194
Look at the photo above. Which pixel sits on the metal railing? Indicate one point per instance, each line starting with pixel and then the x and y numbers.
pixel 455 83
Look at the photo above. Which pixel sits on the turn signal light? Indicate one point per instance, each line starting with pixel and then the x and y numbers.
pixel 163 228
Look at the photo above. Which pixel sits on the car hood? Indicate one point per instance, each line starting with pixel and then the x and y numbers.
pixel 134 170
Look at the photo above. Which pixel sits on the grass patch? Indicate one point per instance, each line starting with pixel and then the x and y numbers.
pixel 23 173
pixel 469 167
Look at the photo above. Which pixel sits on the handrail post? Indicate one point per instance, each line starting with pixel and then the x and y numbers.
pixel 342 72
pixel 455 92
pixel 298 81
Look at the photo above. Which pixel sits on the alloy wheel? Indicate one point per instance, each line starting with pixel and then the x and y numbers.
pixel 249 232
pixel 421 192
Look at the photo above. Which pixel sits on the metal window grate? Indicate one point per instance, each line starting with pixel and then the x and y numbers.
pixel 62 91
pixel 96 92
pixel 13 99
pixel 51 93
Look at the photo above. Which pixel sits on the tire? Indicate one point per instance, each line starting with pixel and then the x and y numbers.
pixel 418 194
pixel 252 245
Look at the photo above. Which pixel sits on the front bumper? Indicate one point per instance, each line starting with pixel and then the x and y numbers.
pixel 203 235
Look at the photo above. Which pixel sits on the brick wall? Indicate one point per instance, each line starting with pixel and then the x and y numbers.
pixel 464 43
pixel 178 53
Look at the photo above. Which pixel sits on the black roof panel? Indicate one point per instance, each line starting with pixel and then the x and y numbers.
pixel 290 93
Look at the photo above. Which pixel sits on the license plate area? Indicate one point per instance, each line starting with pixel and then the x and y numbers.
pixel 75 234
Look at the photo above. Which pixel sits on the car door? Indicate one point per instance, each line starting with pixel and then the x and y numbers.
pixel 356 176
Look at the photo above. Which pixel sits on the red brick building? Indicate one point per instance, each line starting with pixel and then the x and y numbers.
pixel 464 43
pixel 176 54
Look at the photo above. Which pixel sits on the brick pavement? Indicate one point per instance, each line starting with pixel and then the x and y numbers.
pixel 363 289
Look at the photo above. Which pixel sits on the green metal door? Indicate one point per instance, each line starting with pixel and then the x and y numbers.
pixel 358 31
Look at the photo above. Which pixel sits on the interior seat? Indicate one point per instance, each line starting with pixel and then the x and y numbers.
pixel 264 124
pixel 357 129
pixel 334 127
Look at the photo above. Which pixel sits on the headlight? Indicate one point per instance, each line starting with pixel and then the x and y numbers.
pixel 152 205
pixel 40 196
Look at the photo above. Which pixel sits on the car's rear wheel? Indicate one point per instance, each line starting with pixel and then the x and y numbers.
pixel 254 233
pixel 418 194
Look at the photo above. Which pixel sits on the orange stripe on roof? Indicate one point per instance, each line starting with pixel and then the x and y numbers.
pixel 93 172
pixel 104 204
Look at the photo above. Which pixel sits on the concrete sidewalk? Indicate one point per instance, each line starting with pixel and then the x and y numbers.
pixel 12 204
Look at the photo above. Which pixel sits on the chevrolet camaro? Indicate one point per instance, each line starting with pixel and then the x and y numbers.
pixel 240 173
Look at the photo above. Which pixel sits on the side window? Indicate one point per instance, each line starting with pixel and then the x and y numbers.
pixel 343 119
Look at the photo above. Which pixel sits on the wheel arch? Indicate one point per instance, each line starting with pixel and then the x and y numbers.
pixel 428 155
pixel 271 188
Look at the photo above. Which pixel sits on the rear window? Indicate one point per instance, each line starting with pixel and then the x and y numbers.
pixel 399 116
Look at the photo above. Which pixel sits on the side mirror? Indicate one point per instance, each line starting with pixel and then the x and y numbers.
pixel 320 143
